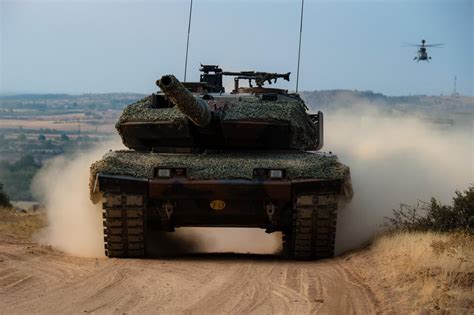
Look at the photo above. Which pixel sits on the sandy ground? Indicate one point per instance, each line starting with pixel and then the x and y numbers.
pixel 384 278
pixel 38 279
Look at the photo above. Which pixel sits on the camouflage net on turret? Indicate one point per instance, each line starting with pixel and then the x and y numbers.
pixel 224 165
pixel 303 132
pixel 142 111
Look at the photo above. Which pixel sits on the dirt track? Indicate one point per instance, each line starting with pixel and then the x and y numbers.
pixel 37 279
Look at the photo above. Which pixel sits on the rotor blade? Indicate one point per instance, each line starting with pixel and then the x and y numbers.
pixel 435 45
pixel 410 45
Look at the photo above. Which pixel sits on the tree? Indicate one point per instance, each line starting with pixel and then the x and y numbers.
pixel 64 137
pixel 4 200
pixel 26 161
pixel 41 137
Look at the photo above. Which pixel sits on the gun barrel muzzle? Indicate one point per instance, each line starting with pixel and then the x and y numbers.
pixel 194 108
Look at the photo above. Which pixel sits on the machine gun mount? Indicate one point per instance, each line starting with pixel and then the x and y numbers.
pixel 212 76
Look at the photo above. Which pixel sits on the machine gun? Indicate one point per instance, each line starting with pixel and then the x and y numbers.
pixel 212 75
pixel 259 77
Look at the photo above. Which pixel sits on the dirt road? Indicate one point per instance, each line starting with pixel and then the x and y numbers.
pixel 37 279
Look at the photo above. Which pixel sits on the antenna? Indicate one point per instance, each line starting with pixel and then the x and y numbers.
pixel 299 47
pixel 187 41
pixel 455 92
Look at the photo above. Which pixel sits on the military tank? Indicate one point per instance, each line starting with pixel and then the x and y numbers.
pixel 200 157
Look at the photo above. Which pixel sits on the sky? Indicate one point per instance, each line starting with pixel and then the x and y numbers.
pixel 83 46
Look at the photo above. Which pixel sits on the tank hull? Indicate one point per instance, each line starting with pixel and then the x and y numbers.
pixel 245 202
pixel 188 196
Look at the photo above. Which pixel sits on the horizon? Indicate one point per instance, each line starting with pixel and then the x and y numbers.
pixel 301 91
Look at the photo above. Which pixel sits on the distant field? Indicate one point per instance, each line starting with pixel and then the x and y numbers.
pixel 59 117
pixel 62 125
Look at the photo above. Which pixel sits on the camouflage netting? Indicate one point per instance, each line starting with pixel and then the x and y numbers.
pixel 303 132
pixel 223 165
pixel 142 111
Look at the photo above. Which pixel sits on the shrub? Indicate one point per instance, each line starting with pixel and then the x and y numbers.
pixel 64 137
pixel 4 200
pixel 17 177
pixel 434 216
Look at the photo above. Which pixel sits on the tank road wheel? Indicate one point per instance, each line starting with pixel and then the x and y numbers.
pixel 313 231
pixel 124 225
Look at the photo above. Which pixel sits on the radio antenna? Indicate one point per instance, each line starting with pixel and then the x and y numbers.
pixel 187 41
pixel 299 47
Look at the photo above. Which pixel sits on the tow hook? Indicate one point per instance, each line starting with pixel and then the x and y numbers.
pixel 168 207
pixel 270 208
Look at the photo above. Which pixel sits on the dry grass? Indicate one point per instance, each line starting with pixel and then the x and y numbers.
pixel 20 225
pixel 428 271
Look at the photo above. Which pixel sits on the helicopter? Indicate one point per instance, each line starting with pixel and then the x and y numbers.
pixel 422 51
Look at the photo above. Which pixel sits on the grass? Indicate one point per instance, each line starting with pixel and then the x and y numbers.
pixel 431 271
pixel 20 225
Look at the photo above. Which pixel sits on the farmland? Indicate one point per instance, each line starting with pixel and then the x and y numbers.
pixel 36 128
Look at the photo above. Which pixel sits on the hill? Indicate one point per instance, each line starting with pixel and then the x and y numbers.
pixel 446 110
pixel 329 99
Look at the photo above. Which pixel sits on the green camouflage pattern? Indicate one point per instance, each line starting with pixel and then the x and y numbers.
pixel 302 129
pixel 142 111
pixel 236 165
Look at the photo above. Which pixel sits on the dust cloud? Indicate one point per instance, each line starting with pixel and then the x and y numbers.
pixel 74 223
pixel 394 159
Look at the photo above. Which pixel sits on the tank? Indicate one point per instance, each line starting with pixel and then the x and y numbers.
pixel 200 157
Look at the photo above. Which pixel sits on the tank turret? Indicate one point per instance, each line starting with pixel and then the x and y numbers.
pixel 197 116
pixel 195 108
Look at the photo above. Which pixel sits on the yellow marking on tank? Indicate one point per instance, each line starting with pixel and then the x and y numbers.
pixel 217 204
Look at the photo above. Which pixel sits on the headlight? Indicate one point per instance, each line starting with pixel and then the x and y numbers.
pixel 169 172
pixel 164 172
pixel 275 174
pixel 269 174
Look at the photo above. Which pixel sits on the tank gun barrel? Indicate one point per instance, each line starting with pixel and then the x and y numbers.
pixel 194 108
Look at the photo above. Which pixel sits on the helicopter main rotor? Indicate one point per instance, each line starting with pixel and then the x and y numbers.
pixel 424 45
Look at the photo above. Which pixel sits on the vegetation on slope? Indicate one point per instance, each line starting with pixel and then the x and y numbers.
pixel 17 177
pixel 425 271
pixel 20 225
pixel 436 217
pixel 426 261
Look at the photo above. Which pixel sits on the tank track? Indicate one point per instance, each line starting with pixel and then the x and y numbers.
pixel 123 220
pixel 313 231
